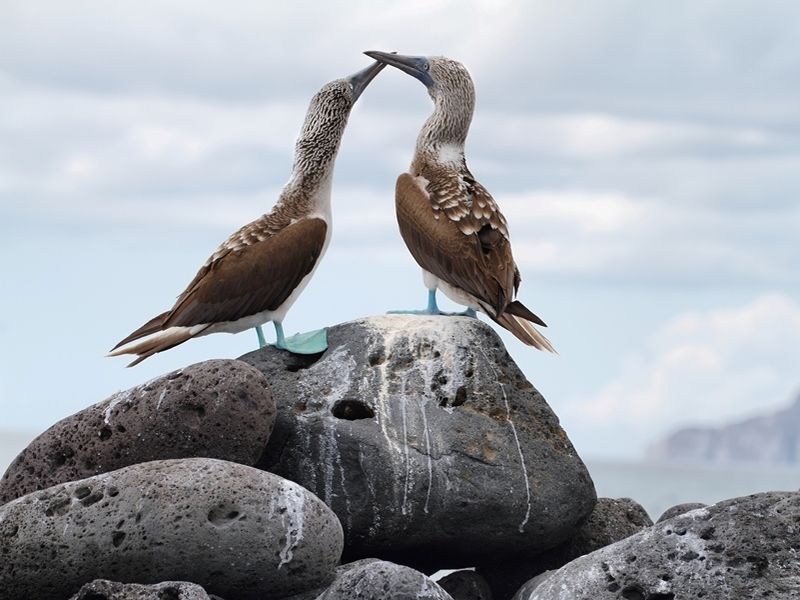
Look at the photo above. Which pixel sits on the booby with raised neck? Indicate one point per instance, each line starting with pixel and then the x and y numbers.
pixel 450 223
pixel 257 273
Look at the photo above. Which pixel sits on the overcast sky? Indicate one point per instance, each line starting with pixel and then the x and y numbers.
pixel 646 155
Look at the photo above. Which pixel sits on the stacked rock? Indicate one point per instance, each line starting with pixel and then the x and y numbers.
pixel 413 444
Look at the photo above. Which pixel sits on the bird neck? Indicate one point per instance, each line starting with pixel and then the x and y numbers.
pixel 309 187
pixel 443 135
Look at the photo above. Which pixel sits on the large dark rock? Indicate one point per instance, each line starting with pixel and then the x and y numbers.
pixel 381 580
pixel 740 548
pixel 426 439
pixel 217 409
pixel 102 589
pixel 237 531
pixel 610 521
pixel 679 509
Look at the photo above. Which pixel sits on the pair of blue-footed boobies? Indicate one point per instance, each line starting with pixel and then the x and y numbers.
pixel 450 223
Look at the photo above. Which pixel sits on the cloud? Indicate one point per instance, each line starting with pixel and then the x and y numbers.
pixel 702 367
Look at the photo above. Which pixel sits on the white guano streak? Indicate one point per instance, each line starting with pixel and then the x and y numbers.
pixel 516 440
pixel 293 526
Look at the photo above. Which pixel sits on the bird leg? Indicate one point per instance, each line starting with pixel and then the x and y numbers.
pixel 260 333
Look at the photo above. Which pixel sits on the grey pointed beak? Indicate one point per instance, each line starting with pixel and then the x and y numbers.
pixel 416 66
pixel 361 80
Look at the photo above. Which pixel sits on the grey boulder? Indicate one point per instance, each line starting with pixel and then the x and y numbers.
pixel 426 439
pixel 102 589
pixel 679 509
pixel 236 531
pixel 611 520
pixel 340 572
pixel 740 548
pixel 381 580
pixel 217 409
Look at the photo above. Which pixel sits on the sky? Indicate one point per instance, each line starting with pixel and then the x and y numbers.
pixel 646 156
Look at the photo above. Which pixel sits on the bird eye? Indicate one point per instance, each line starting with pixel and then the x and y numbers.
pixel 425 66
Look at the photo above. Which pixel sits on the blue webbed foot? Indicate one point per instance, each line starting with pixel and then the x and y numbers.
pixel 311 342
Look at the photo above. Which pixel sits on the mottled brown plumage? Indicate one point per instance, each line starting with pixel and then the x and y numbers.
pixel 450 223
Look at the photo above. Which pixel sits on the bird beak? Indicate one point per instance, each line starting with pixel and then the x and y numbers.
pixel 361 80
pixel 416 66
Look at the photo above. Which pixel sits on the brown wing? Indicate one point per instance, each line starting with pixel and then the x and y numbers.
pixel 464 249
pixel 250 279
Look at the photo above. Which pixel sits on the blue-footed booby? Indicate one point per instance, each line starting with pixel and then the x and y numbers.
pixel 260 270
pixel 450 222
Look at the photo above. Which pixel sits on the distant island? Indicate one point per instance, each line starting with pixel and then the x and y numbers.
pixel 772 439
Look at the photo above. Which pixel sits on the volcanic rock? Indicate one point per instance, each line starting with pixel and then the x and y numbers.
pixel 679 509
pixel 236 531
pixel 102 589
pixel 427 441
pixel 381 580
pixel 740 548
pixel 217 409
pixel 610 521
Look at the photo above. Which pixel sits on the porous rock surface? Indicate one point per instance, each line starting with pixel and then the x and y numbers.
pixel 740 548
pixel 426 440
pixel 679 509
pixel 466 585
pixel 341 570
pixel 217 409
pixel 381 580
pixel 611 520
pixel 236 531
pixel 102 589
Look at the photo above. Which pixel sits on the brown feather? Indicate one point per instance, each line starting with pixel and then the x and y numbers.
pixel 147 348
pixel 251 279
pixel 153 325
pixel 518 309
pixel 480 263
pixel 525 332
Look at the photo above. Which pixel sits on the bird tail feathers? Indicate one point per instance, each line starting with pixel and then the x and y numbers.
pixel 154 342
pixel 525 331
pixel 152 326
pixel 518 309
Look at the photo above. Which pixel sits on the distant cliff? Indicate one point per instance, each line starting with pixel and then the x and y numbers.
pixel 767 439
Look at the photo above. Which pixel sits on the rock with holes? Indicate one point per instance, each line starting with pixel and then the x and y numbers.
pixel 217 409
pixel 234 530
pixel 466 585
pixel 679 509
pixel 340 572
pixel 610 521
pixel 102 589
pixel 426 440
pixel 381 580
pixel 740 548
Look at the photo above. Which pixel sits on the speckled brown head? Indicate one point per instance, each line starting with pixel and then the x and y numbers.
pixel 449 85
pixel 325 122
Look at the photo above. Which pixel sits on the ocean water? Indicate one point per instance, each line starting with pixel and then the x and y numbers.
pixel 655 486
pixel 659 486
